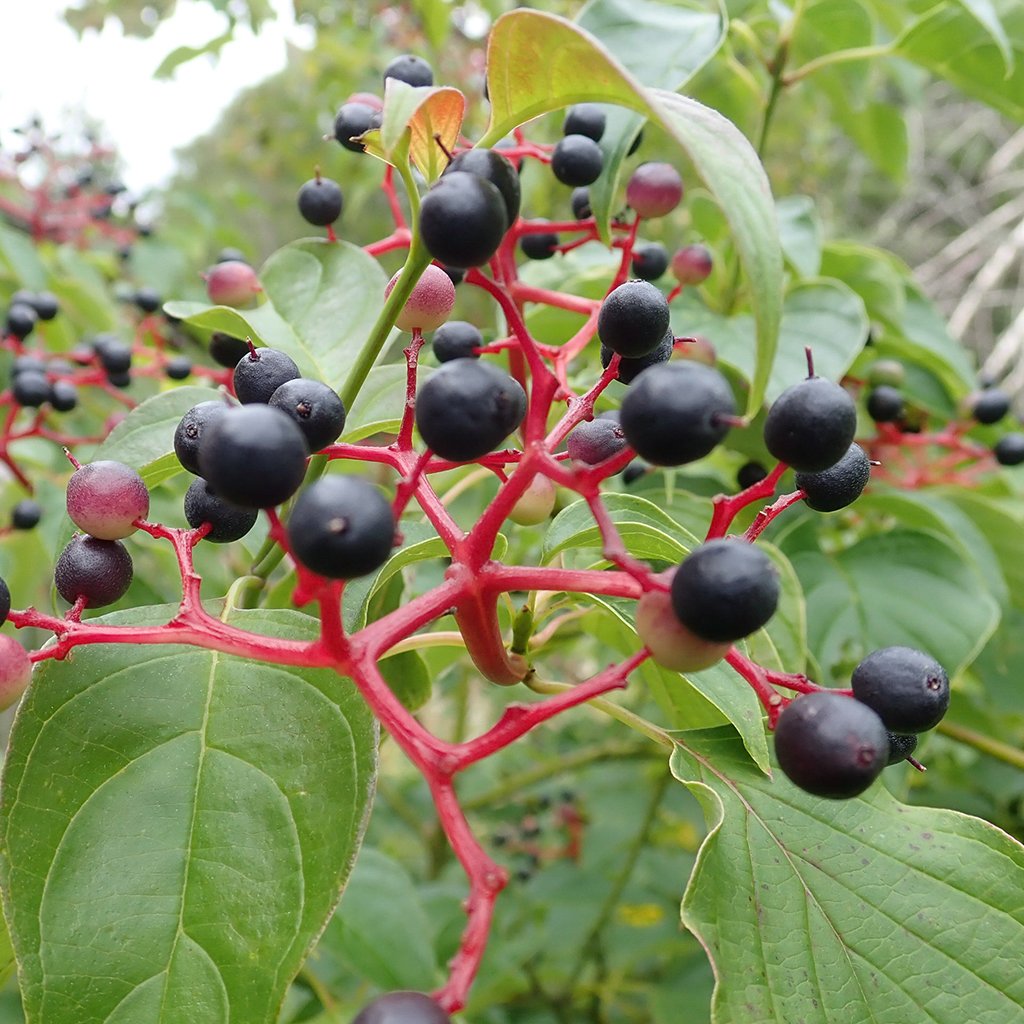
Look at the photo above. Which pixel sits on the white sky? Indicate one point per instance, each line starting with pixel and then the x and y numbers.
pixel 46 70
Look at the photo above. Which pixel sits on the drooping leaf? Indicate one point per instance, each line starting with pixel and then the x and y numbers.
pixel 538 62
pixel 841 912
pixel 177 826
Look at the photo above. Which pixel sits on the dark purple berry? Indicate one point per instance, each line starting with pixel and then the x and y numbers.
pixel 229 522
pixel 585 119
pixel 495 168
pixel 191 429
pixel 577 160
pixel 725 590
pixel 455 274
pixel 105 498
pixel 21 320
pixel 595 441
pixel 900 747
pixel 352 120
pixel 26 514
pixel 45 304
pixel 750 473
pixel 120 379
pixel 580 201
pixel 115 355
pixel 260 372
pixel 402 1008
pixel 830 745
pixel 840 485
pixel 316 409
pixel 231 255
pixel 147 299
pixel 253 456
pixel 636 470
pixel 467 408
pixel 456 339
pixel 677 412
pixel 991 406
pixel 650 261
pixel 178 367
pixel 1009 450
pixel 63 395
pixel 27 364
pixel 539 246
pixel 320 201
pixel 885 404
pixel 907 689
pixel 412 70
pixel 31 389
pixel 630 369
pixel 633 319
pixel 100 571
pixel 226 350
pixel 811 425
pixel 654 189
pixel 463 219
pixel 341 527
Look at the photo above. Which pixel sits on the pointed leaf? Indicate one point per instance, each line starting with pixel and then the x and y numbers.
pixel 422 113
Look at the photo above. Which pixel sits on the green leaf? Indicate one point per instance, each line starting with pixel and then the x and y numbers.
pixel 22 259
pixel 537 62
pixel 412 117
pixel 843 912
pixel 381 930
pixel 177 826
pixel 379 404
pixel 144 439
pixel 800 233
pixel 902 587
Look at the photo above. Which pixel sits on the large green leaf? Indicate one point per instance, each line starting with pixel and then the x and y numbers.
pixel 177 827
pixel 864 910
pixel 538 62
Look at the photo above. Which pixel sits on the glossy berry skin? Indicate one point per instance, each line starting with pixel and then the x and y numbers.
pixel 908 689
pixel 21 320
pixel 178 368
pixel 671 644
pixel 991 406
pixel 26 514
pixel 885 404
pixel 402 1008
pixel 121 379
pixel 580 202
pixel 467 408
pixel 674 412
pixel 596 440
pixel 1009 450
pixel 259 373
pixel 191 430
pixel 31 389
pixel 15 667
pixel 539 246
pixel 495 168
pixel 692 264
pixel 654 189
pixel 811 425
pixel 831 746
pixel 98 570
pixel 226 350
pixel 456 339
pixel 577 160
pixel 27 364
pixel 750 473
pixel 63 395
pixel 633 319
pixel 463 219
pixel 115 355
pixel 725 590
pixel 105 498
pixel 650 261
pixel 253 456
pixel 840 485
pixel 45 304
pixel 429 303
pixel 147 299
pixel 341 527
pixel 900 747
pixel 412 70
pixel 316 409
pixel 352 120
pixel 232 283
pixel 320 201
pixel 229 522
pixel 585 119
pixel 630 369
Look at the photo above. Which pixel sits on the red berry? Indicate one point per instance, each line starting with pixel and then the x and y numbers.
pixel 654 189
pixel 105 498
pixel 232 283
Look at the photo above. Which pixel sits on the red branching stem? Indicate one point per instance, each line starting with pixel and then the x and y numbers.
pixel 409 412
pixel 767 515
pixel 771 700
pixel 726 508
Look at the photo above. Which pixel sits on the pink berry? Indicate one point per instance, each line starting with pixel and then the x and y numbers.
pixel 692 264
pixel 105 498
pixel 654 189
pixel 430 303
pixel 671 644
pixel 15 671
pixel 232 283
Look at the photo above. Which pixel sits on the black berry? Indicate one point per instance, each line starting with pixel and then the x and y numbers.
pixel 178 368
pixel 650 261
pixel 540 246
pixel 230 254
pixel 63 395
pixel 580 201
pixel 402 1008
pixel 320 201
pixel 191 430
pixel 1009 450
pixel 352 120
pixel 495 168
pixel 629 369
pixel 750 473
pixel 636 470
pixel 254 456
pixel 26 514
pixel 316 409
pixel 229 522
pixel 991 406
pixel 147 299
pixel 227 350
pixel 27 364
pixel 5 602
pixel 830 745
pixel 120 379
pixel 456 339
pixel 577 160
pixel 585 119
pixel 341 527
pixel 900 747
pixel 725 590
pixel 595 441
pixel 908 689
pixel 840 485
pixel 885 404
pixel 463 219
pixel 21 320
pixel 410 69
pixel 676 412
pixel 31 389
pixel 100 571
pixel 467 408
pixel 45 304
pixel 115 355
pixel 259 373
pixel 633 319
pixel 810 425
